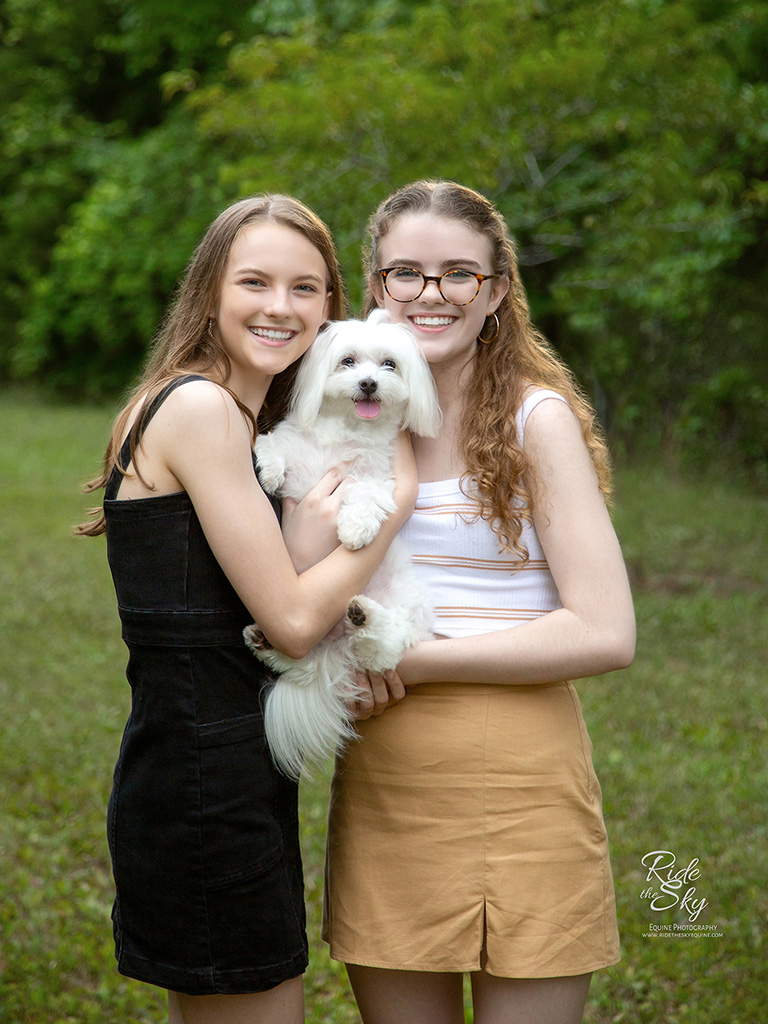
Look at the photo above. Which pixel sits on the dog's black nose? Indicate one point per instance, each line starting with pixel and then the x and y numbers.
pixel 368 385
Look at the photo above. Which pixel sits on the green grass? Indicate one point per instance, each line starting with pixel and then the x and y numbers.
pixel 680 747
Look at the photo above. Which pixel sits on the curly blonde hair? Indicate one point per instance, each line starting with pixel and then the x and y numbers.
pixel 517 358
pixel 185 342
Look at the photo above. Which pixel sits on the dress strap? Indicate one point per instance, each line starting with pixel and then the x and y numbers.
pixel 124 458
pixel 530 403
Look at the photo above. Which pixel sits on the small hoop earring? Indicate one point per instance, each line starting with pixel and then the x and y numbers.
pixel 494 336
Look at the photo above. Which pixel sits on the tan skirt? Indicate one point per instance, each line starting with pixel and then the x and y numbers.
pixel 466 830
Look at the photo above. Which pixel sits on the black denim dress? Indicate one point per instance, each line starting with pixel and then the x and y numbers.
pixel 203 830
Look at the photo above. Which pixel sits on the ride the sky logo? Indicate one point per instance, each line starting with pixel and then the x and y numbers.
pixel 671 886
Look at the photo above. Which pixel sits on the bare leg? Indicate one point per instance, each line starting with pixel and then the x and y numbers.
pixel 529 1000
pixel 174 1012
pixel 407 997
pixel 283 1004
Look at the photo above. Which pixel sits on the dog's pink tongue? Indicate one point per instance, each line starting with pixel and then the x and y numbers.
pixel 368 410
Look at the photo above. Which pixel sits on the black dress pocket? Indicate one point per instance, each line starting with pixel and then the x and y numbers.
pixel 251 864
pixel 244 801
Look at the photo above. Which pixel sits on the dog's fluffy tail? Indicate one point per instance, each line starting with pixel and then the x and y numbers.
pixel 306 719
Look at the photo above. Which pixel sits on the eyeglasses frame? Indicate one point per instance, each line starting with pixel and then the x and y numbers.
pixel 426 278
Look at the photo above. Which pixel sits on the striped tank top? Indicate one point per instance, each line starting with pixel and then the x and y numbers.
pixel 476 588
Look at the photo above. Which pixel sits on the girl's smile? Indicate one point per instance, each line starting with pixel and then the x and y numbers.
pixel 271 336
pixel 432 323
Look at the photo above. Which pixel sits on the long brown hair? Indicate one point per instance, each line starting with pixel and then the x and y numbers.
pixel 186 343
pixel 519 356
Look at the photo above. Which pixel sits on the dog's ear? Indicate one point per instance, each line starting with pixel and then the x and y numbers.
pixel 422 414
pixel 378 316
pixel 309 387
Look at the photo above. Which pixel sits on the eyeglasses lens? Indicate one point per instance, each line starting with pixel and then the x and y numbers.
pixel 456 286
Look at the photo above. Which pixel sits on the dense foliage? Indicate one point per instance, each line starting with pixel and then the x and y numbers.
pixel 625 141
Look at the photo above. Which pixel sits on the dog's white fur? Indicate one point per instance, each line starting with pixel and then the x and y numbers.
pixel 307 711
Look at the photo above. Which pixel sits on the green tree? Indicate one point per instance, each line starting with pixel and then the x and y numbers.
pixel 79 81
pixel 117 260
pixel 624 140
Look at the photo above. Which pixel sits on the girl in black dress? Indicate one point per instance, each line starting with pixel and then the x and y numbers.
pixel 202 829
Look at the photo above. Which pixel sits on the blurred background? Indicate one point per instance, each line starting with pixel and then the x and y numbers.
pixel 626 142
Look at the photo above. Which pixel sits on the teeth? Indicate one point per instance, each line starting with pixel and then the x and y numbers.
pixel 433 321
pixel 274 335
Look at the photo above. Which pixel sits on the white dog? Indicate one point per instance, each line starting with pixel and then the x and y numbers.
pixel 361 383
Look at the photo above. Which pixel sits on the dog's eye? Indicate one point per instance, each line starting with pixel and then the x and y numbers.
pixel 389 364
pixel 347 361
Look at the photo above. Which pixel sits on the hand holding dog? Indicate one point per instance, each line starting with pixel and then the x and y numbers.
pixel 309 525
pixel 377 693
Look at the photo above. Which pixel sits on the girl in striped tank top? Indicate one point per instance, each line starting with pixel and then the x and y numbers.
pixel 466 830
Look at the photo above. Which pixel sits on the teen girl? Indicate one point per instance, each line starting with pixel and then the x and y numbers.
pixel 202 829
pixel 466 830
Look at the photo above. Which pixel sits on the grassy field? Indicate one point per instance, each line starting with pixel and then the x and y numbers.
pixel 680 748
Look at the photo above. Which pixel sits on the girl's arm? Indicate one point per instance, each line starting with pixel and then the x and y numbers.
pixel 203 440
pixel 594 631
pixel 309 526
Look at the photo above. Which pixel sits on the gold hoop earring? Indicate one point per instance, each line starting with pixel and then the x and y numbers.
pixel 494 336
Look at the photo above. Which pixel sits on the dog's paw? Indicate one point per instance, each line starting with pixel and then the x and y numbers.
pixel 355 533
pixel 356 613
pixel 271 477
pixel 376 641
pixel 271 466
pixel 268 655
pixel 255 639
pixel 365 507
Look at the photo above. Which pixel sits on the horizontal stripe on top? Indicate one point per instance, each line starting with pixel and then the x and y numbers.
pixel 475 587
